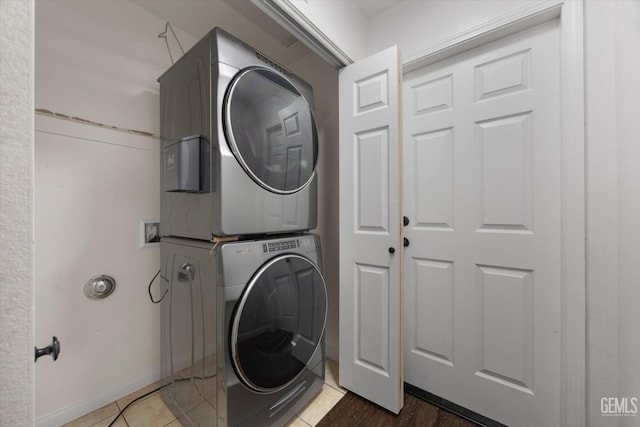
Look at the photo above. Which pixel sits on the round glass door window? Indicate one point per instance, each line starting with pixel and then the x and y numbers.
pixel 279 322
pixel 271 130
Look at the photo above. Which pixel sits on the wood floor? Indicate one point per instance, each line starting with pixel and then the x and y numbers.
pixel 352 411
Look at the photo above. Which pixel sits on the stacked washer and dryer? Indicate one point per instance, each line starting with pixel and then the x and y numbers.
pixel 245 304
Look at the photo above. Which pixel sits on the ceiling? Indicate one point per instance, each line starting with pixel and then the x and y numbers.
pixel 372 8
pixel 244 20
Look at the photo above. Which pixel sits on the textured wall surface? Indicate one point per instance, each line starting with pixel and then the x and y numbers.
pixel 16 213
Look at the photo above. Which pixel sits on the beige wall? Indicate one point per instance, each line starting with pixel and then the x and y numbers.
pixel 92 187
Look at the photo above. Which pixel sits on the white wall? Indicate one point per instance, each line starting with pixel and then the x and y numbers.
pixel 613 177
pixel 97 61
pixel 627 92
pixel 414 25
pixel 16 213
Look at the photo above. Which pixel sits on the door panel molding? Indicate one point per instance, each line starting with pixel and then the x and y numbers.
pixel 570 14
pixel 370 235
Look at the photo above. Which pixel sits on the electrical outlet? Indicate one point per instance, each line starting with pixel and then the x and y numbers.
pixel 149 233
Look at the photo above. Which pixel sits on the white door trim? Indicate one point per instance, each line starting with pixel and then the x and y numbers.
pixel 573 302
pixel 503 25
pixel 574 222
pixel 320 36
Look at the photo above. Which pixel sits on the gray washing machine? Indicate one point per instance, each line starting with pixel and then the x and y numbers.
pixel 239 144
pixel 242 329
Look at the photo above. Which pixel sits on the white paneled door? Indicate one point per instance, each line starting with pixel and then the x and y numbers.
pixel 482 178
pixel 370 249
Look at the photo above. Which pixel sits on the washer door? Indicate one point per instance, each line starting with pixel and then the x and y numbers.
pixel 278 323
pixel 271 130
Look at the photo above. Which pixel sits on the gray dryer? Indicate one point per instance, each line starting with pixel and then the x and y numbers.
pixel 239 144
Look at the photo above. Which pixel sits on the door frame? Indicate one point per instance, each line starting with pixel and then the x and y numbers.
pixel 570 13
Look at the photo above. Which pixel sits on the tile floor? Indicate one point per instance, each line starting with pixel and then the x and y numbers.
pixel 152 412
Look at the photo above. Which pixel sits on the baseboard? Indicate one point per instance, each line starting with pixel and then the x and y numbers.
pixel 76 410
pixel 451 407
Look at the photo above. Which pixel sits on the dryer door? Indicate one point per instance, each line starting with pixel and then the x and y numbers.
pixel 279 323
pixel 271 130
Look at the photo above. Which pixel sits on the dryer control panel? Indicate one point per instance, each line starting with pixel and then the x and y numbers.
pixel 282 245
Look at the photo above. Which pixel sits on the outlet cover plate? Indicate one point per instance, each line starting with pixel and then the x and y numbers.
pixel 149 233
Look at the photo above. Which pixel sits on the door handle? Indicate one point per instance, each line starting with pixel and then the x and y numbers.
pixel 405 242
pixel 405 221
pixel 392 250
